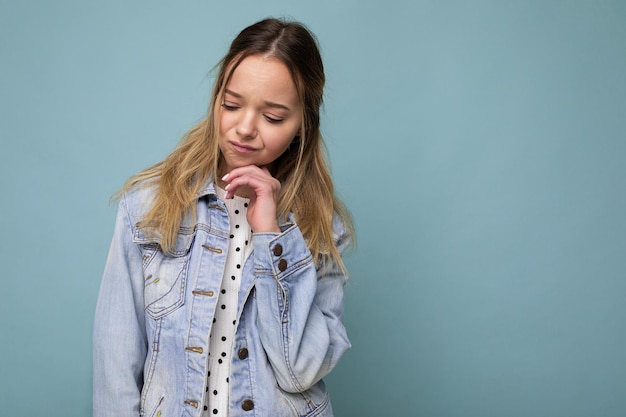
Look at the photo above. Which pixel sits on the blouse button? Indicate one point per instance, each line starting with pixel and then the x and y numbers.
pixel 278 249
pixel 247 405
pixel 243 353
pixel 282 265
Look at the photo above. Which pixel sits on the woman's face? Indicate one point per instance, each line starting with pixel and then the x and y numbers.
pixel 259 115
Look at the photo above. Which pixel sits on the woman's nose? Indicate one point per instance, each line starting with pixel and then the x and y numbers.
pixel 246 127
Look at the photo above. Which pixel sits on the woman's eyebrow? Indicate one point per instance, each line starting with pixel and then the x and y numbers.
pixel 276 105
pixel 232 93
pixel 267 103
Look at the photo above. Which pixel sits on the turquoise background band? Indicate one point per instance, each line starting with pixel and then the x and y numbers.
pixel 479 144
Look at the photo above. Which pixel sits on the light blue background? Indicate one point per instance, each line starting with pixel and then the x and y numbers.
pixel 479 144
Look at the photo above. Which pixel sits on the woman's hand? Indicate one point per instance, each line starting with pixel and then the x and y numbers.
pixel 257 184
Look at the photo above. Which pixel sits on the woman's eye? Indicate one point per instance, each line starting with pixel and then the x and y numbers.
pixel 230 107
pixel 273 119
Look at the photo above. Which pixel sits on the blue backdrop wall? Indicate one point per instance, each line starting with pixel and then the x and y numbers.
pixel 479 144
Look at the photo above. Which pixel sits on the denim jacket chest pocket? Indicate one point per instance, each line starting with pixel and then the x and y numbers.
pixel 165 275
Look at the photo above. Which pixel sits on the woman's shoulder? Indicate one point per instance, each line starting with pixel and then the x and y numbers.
pixel 342 232
pixel 139 198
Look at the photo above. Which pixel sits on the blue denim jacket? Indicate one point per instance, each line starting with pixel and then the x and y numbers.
pixel 154 314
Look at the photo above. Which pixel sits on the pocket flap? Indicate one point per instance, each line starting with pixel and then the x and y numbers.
pixel 184 240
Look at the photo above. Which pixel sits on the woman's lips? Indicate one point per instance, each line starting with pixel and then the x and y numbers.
pixel 241 148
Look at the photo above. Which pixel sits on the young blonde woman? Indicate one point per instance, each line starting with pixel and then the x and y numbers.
pixel 223 291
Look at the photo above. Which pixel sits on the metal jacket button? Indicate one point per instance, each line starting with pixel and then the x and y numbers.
pixel 247 405
pixel 282 265
pixel 243 353
pixel 192 403
pixel 206 293
pixel 278 249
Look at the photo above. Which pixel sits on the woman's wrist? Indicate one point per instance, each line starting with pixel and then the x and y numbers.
pixel 270 227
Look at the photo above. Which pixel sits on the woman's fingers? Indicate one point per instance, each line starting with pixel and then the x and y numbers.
pixel 254 182
pixel 262 189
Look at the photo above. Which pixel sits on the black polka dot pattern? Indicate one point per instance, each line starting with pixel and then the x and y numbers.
pixel 222 336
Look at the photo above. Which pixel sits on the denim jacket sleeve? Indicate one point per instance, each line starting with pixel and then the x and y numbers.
pixel 119 335
pixel 300 307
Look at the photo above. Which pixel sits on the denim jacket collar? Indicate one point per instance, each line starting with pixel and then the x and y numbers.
pixel 187 227
pixel 208 188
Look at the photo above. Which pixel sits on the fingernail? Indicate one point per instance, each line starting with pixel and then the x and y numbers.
pixel 227 185
pixel 224 177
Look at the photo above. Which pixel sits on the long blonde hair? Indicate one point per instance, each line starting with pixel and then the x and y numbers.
pixel 306 186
